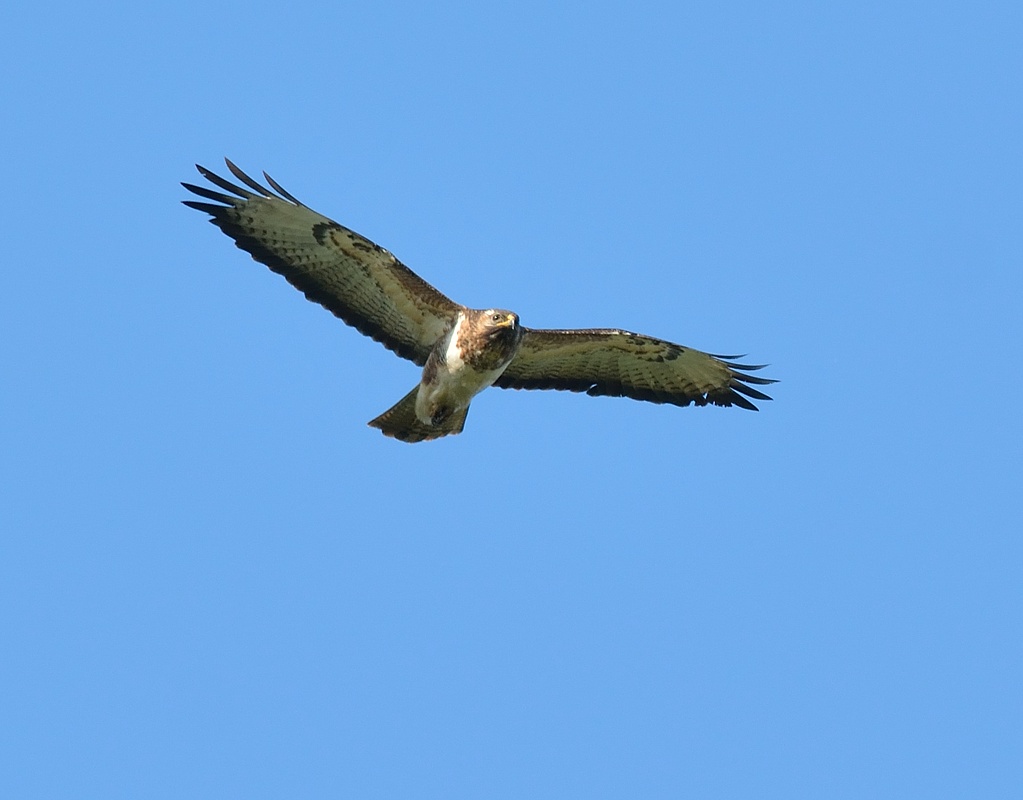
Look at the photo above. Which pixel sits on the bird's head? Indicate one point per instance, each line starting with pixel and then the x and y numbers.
pixel 499 326
pixel 497 319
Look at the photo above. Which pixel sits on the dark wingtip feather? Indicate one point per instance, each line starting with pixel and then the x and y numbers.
pixel 750 378
pixel 209 194
pixel 206 208
pixel 755 379
pixel 736 399
pixel 748 391
pixel 252 184
pixel 732 363
pixel 226 185
pixel 282 191
pixel 750 367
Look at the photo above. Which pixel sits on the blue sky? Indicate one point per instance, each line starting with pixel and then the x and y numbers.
pixel 217 581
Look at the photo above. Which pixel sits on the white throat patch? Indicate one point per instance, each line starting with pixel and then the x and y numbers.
pixel 453 356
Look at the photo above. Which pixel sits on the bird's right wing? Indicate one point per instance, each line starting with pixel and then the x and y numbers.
pixel 346 273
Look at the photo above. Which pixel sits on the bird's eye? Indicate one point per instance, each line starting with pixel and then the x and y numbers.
pixel 496 318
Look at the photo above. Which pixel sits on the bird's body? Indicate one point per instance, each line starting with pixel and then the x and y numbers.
pixel 465 361
pixel 462 351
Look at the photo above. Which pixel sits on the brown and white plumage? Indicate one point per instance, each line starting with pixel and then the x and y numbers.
pixel 461 350
pixel 619 363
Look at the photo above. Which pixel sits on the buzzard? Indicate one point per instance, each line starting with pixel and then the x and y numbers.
pixel 462 350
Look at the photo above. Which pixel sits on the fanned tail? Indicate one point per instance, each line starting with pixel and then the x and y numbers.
pixel 400 422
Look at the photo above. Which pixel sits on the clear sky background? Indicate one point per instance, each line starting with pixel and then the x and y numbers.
pixel 216 581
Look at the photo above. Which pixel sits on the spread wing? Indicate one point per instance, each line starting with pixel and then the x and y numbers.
pixel 622 364
pixel 347 274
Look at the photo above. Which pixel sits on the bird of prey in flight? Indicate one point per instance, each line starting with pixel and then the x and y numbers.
pixel 461 350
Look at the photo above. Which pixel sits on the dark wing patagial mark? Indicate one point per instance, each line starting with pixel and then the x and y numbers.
pixel 618 363
pixel 355 279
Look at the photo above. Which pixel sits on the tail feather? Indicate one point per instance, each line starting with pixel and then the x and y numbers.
pixel 400 421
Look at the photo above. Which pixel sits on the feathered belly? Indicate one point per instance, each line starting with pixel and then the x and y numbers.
pixel 450 390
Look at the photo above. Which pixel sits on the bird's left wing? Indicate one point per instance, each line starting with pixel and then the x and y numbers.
pixel 349 275
pixel 623 364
